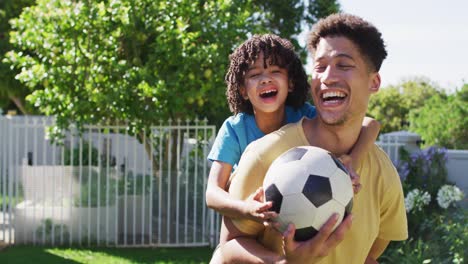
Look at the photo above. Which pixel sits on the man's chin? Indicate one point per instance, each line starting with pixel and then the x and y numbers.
pixel 333 121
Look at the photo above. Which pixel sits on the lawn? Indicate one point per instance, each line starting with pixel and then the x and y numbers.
pixel 49 255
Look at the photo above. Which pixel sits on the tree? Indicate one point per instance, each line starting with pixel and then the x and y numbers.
pixel 136 61
pixel 12 92
pixel 392 104
pixel 144 61
pixel 443 121
pixel 290 18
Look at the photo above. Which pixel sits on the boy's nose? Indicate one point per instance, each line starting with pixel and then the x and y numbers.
pixel 265 79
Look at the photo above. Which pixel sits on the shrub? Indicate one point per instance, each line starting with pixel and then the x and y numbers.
pixel 437 227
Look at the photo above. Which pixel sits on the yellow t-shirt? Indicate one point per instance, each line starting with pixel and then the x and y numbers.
pixel 378 209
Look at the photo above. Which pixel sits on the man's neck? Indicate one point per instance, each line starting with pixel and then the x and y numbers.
pixel 338 139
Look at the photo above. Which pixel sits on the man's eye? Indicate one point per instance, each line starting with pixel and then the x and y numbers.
pixel 319 68
pixel 344 66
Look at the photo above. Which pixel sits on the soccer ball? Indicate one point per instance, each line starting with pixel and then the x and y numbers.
pixel 307 185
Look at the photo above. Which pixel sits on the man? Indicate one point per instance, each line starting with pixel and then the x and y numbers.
pixel 347 53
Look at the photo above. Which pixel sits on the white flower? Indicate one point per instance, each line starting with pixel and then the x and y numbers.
pixel 448 194
pixel 415 200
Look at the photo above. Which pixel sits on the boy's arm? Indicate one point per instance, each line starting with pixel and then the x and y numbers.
pixel 216 196
pixel 369 133
pixel 238 247
pixel 219 199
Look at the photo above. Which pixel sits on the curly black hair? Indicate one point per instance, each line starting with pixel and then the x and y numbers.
pixel 363 34
pixel 276 51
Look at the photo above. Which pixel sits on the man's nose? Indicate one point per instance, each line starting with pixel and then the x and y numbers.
pixel 330 75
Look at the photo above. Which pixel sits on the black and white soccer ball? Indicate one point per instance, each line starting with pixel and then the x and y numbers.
pixel 307 185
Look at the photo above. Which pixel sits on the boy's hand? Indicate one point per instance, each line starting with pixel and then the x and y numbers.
pixel 355 179
pixel 257 209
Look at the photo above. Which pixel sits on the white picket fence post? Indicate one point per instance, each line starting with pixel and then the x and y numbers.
pixel 105 187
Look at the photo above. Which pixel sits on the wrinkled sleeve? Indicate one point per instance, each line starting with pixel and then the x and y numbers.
pixel 393 223
pixel 226 145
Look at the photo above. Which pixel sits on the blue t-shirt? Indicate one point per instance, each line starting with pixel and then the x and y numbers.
pixel 238 131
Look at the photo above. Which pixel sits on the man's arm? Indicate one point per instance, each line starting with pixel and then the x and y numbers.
pixel 243 248
pixel 238 247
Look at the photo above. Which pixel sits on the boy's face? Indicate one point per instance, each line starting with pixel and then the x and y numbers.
pixel 341 81
pixel 266 88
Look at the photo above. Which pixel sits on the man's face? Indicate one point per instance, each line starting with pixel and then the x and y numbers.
pixel 341 81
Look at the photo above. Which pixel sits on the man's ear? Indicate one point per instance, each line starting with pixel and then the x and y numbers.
pixel 375 83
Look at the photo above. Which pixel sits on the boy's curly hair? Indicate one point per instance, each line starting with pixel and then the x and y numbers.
pixel 363 34
pixel 276 51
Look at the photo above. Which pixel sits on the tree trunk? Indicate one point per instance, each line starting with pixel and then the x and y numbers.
pixel 19 104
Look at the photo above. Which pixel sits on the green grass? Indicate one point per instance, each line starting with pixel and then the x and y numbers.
pixel 49 255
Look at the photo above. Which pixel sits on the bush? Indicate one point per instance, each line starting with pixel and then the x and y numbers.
pixel 437 227
pixel 96 190
pixel 135 184
pixel 445 240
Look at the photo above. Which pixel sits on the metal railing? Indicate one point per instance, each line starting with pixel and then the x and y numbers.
pixel 104 186
pixel 107 187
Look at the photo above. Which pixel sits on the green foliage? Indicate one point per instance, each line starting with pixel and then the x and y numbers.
pixel 86 155
pixel 10 198
pixel 12 92
pixel 96 189
pixel 135 185
pixel 436 234
pixel 443 120
pixel 425 169
pixel 391 105
pixel 290 18
pixel 139 60
pixel 50 231
pixel 23 254
pixel 444 240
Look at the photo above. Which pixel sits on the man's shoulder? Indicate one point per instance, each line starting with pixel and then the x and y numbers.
pixel 286 135
pixel 381 165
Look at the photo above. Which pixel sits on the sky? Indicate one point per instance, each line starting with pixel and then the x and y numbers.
pixel 423 38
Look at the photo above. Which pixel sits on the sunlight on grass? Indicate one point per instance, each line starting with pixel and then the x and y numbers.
pixel 98 255
pixel 88 256
pixel 130 255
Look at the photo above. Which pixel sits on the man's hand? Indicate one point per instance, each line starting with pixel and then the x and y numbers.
pixel 355 179
pixel 319 246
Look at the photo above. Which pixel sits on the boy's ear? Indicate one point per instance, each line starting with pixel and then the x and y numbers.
pixel 375 83
pixel 290 86
pixel 243 93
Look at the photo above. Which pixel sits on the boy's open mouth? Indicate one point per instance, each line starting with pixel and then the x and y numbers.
pixel 268 93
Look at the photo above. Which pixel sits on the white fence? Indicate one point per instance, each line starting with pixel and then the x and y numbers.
pixel 105 187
